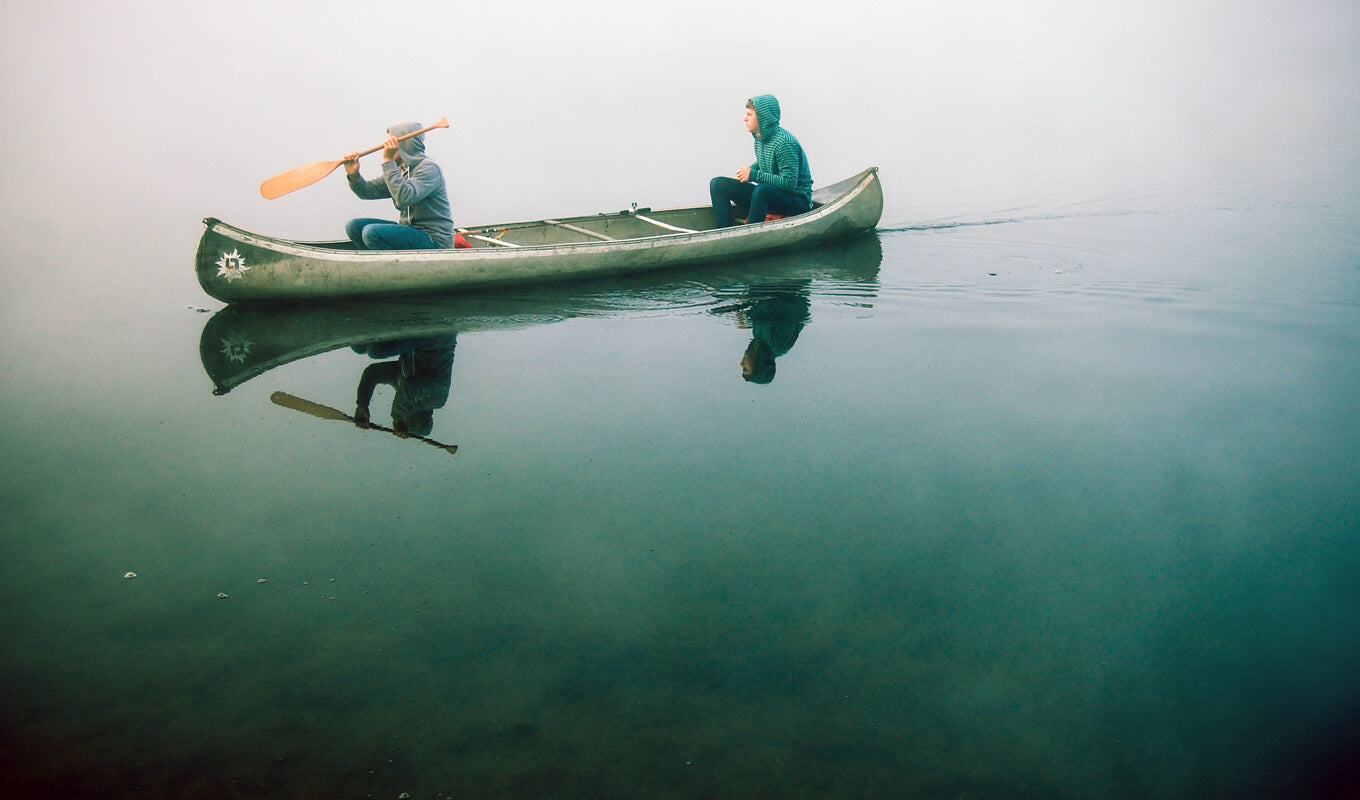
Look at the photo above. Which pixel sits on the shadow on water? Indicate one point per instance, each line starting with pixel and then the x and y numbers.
pixel 411 342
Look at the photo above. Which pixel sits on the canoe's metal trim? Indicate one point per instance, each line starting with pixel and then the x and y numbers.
pixel 581 230
pixel 660 224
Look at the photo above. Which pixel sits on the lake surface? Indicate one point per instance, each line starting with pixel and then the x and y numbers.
pixel 1048 498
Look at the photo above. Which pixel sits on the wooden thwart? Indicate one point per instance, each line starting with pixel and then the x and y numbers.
pixel 579 229
pixel 660 224
pixel 570 227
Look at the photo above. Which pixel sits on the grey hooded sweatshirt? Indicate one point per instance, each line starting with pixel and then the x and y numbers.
pixel 416 186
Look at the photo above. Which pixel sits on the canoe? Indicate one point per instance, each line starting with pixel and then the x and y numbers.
pixel 234 265
pixel 244 341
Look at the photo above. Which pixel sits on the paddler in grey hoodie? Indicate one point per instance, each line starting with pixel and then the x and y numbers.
pixel 416 186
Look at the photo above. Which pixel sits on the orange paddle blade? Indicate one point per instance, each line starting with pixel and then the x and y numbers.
pixel 295 179
pixel 305 176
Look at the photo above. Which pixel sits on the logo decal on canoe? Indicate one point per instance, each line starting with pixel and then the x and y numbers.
pixel 231 266
pixel 236 347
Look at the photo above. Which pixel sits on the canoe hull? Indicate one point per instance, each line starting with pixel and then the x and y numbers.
pixel 234 265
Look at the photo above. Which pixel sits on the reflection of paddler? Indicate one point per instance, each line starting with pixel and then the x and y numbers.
pixel 775 321
pixel 420 374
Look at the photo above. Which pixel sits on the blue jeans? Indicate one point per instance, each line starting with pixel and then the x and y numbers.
pixel 382 234
pixel 756 199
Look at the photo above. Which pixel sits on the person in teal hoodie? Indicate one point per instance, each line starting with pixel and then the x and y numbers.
pixel 415 185
pixel 779 182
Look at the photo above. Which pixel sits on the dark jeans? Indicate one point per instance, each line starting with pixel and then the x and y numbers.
pixel 756 199
pixel 382 234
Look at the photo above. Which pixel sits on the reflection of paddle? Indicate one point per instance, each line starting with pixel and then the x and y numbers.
pixel 326 412
pixel 295 179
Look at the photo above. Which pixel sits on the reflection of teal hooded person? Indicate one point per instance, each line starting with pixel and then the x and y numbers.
pixel 776 318
pixel 420 375
pixel 416 186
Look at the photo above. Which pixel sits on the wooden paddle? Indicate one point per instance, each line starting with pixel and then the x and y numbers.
pixel 326 412
pixel 295 179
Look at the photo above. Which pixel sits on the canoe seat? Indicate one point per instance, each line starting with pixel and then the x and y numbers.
pixel 496 241
pixel 768 218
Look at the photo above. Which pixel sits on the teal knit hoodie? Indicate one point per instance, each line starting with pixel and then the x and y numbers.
pixel 780 160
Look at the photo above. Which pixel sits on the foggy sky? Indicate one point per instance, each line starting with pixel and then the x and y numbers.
pixel 181 110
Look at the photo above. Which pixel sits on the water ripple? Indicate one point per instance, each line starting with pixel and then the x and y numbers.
pixel 952 224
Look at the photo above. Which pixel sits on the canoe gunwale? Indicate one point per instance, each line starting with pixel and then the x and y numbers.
pixel 285 269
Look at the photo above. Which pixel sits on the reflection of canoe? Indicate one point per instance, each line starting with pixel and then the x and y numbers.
pixel 241 342
pixel 234 265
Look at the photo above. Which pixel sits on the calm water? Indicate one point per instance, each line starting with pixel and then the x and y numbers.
pixel 1045 499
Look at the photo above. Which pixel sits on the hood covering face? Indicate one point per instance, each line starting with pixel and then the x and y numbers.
pixel 412 150
pixel 767 114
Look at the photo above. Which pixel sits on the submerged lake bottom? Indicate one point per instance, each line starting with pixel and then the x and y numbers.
pixel 1050 503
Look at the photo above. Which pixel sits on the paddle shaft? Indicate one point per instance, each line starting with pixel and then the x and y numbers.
pixel 308 174
pixel 442 123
